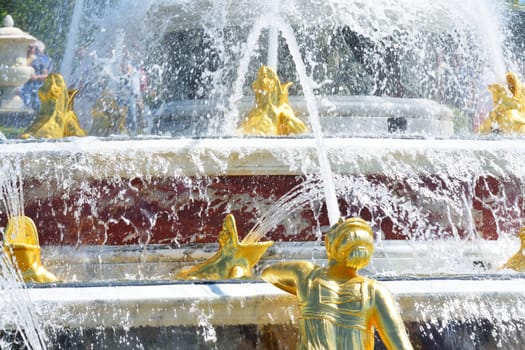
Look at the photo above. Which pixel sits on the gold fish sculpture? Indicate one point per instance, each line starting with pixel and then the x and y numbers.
pixel 339 308
pixel 56 118
pixel 233 260
pixel 272 114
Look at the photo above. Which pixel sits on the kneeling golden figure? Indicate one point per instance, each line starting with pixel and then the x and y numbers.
pixel 233 260
pixel 340 309
pixel 272 115
pixel 508 112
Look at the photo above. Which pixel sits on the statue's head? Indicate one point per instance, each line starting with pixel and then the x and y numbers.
pixel 228 234
pixel 351 242
pixel 267 81
pixel 513 82
pixel 54 88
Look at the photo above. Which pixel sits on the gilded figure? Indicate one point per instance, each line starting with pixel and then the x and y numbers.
pixel 508 112
pixel 272 114
pixel 233 260
pixel 109 118
pixel 339 308
pixel 517 261
pixel 56 118
pixel 21 246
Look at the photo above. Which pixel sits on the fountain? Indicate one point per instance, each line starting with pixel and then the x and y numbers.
pixel 393 93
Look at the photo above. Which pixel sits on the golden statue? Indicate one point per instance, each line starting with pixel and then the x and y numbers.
pixel 340 309
pixel 233 260
pixel 517 261
pixel 272 115
pixel 108 117
pixel 508 113
pixel 22 248
pixel 56 118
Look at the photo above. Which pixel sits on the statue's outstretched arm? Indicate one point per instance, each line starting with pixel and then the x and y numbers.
pixel 288 275
pixel 388 321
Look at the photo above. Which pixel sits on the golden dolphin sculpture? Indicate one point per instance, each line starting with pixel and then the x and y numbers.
pixel 340 309
pixel 56 118
pixel 21 246
pixel 272 114
pixel 233 259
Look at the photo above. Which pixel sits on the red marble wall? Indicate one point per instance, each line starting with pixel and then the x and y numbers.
pixel 190 210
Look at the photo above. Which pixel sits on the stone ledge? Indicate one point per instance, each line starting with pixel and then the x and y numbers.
pixel 225 303
pixel 92 157
pixel 86 264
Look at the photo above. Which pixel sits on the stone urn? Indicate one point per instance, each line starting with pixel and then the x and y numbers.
pixel 14 72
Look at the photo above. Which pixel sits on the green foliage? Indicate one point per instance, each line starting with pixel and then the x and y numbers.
pixel 462 122
pixel 11 133
pixel 518 3
pixel 46 20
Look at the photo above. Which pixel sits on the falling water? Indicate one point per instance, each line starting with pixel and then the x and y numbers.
pixel 405 27
pixel 490 34
pixel 66 66
pixel 15 298
pixel 11 188
pixel 324 163
pixel 306 192
pixel 305 80
pixel 416 181
pixel 242 70
pixel 273 39
pixel 18 307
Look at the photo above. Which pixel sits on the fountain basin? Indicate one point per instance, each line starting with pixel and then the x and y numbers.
pixel 176 191
pixel 342 116
pixel 211 314
pixel 117 218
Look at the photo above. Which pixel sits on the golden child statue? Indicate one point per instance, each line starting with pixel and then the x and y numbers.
pixel 340 309
pixel 272 115
pixel 233 260
pixel 56 118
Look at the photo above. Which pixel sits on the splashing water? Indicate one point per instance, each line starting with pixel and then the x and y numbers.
pixel 11 187
pixel 71 44
pixel 18 309
pixel 190 52
pixel 17 305
pixel 406 27
pixel 306 192
pixel 305 80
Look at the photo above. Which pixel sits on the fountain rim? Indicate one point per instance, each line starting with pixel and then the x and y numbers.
pixel 168 305
pixel 380 278
pixel 116 143
pixel 252 156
